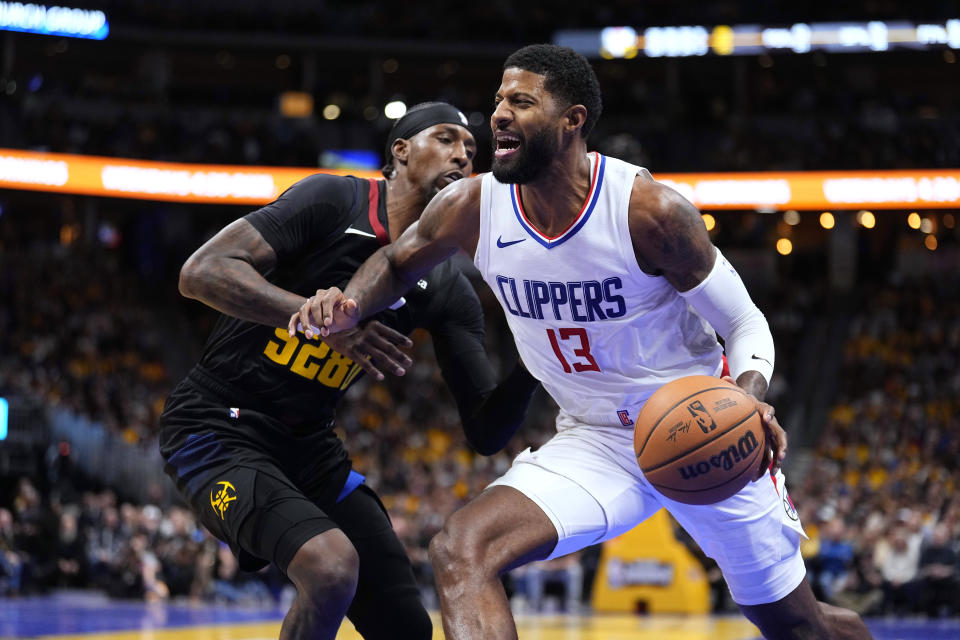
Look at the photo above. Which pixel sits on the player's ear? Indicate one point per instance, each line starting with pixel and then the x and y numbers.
pixel 400 150
pixel 574 118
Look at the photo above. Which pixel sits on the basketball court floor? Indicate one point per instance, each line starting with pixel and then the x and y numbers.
pixel 86 617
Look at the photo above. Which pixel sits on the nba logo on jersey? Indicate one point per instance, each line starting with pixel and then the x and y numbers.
pixel 234 412
pixel 624 416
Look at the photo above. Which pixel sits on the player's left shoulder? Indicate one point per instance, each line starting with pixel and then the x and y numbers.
pixel 656 202
pixel 321 193
pixel 656 210
pixel 664 226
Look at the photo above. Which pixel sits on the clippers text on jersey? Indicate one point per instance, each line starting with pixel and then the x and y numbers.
pixel 581 301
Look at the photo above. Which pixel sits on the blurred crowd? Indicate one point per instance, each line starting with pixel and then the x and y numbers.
pixel 124 550
pixel 882 497
pixel 74 329
pixel 778 121
pixel 879 501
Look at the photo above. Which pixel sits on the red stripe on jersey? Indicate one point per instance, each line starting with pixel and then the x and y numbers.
pixel 590 192
pixel 374 218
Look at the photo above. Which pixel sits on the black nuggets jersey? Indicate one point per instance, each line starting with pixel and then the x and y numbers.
pixel 322 229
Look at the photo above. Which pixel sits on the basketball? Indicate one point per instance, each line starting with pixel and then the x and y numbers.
pixel 699 439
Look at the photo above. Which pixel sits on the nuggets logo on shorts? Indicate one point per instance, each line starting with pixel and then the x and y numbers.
pixel 220 500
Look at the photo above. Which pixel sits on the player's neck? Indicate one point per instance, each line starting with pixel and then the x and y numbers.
pixel 554 199
pixel 404 206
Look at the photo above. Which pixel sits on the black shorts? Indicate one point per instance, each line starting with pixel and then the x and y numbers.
pixel 253 481
pixel 259 513
pixel 263 518
pixel 265 491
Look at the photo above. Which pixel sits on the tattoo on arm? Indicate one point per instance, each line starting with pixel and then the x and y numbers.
pixel 669 236
pixel 226 274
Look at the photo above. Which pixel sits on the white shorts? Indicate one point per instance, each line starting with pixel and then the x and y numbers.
pixel 586 479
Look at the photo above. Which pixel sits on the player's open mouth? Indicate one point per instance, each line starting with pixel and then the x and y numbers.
pixel 507 144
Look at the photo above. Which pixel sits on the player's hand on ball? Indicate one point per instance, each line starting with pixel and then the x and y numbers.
pixel 776 449
pixel 776 440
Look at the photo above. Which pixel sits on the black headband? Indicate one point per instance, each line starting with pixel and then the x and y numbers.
pixel 416 121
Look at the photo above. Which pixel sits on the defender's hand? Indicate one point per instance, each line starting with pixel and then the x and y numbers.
pixel 371 346
pixel 775 443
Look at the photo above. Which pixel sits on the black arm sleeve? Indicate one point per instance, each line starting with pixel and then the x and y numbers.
pixel 490 413
pixel 313 208
pixel 492 424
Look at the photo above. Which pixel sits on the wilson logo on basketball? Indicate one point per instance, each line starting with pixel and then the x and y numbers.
pixel 725 460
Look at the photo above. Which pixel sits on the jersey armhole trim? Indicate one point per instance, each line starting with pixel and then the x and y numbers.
pixel 627 251
pixel 480 256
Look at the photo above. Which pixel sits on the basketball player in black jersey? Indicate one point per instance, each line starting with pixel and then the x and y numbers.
pixel 248 435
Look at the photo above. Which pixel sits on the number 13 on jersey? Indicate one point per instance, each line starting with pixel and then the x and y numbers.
pixel 573 339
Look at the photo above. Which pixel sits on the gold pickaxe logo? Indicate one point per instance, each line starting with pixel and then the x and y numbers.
pixel 220 500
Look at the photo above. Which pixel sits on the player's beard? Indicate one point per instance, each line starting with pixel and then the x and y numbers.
pixel 535 155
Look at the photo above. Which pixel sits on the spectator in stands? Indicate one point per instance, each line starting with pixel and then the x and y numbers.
pixel 178 548
pixel 232 586
pixel 834 559
pixel 70 570
pixel 11 559
pixel 532 580
pixel 939 566
pixel 862 591
pixel 140 572
pixel 106 540
pixel 36 535
pixel 897 557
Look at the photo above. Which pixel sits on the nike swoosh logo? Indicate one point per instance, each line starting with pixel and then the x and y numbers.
pixel 756 357
pixel 501 244
pixel 360 233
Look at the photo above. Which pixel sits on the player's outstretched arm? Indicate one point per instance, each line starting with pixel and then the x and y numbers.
pixel 670 239
pixel 450 222
pixel 226 274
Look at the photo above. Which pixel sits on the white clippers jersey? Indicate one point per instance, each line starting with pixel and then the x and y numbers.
pixel 599 334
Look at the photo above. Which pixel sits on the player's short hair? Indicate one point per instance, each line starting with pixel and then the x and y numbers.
pixel 569 76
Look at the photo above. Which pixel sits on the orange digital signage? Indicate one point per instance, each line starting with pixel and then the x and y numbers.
pixel 237 184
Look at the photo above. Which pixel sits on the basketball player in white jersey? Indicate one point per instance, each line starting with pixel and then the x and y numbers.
pixel 612 288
